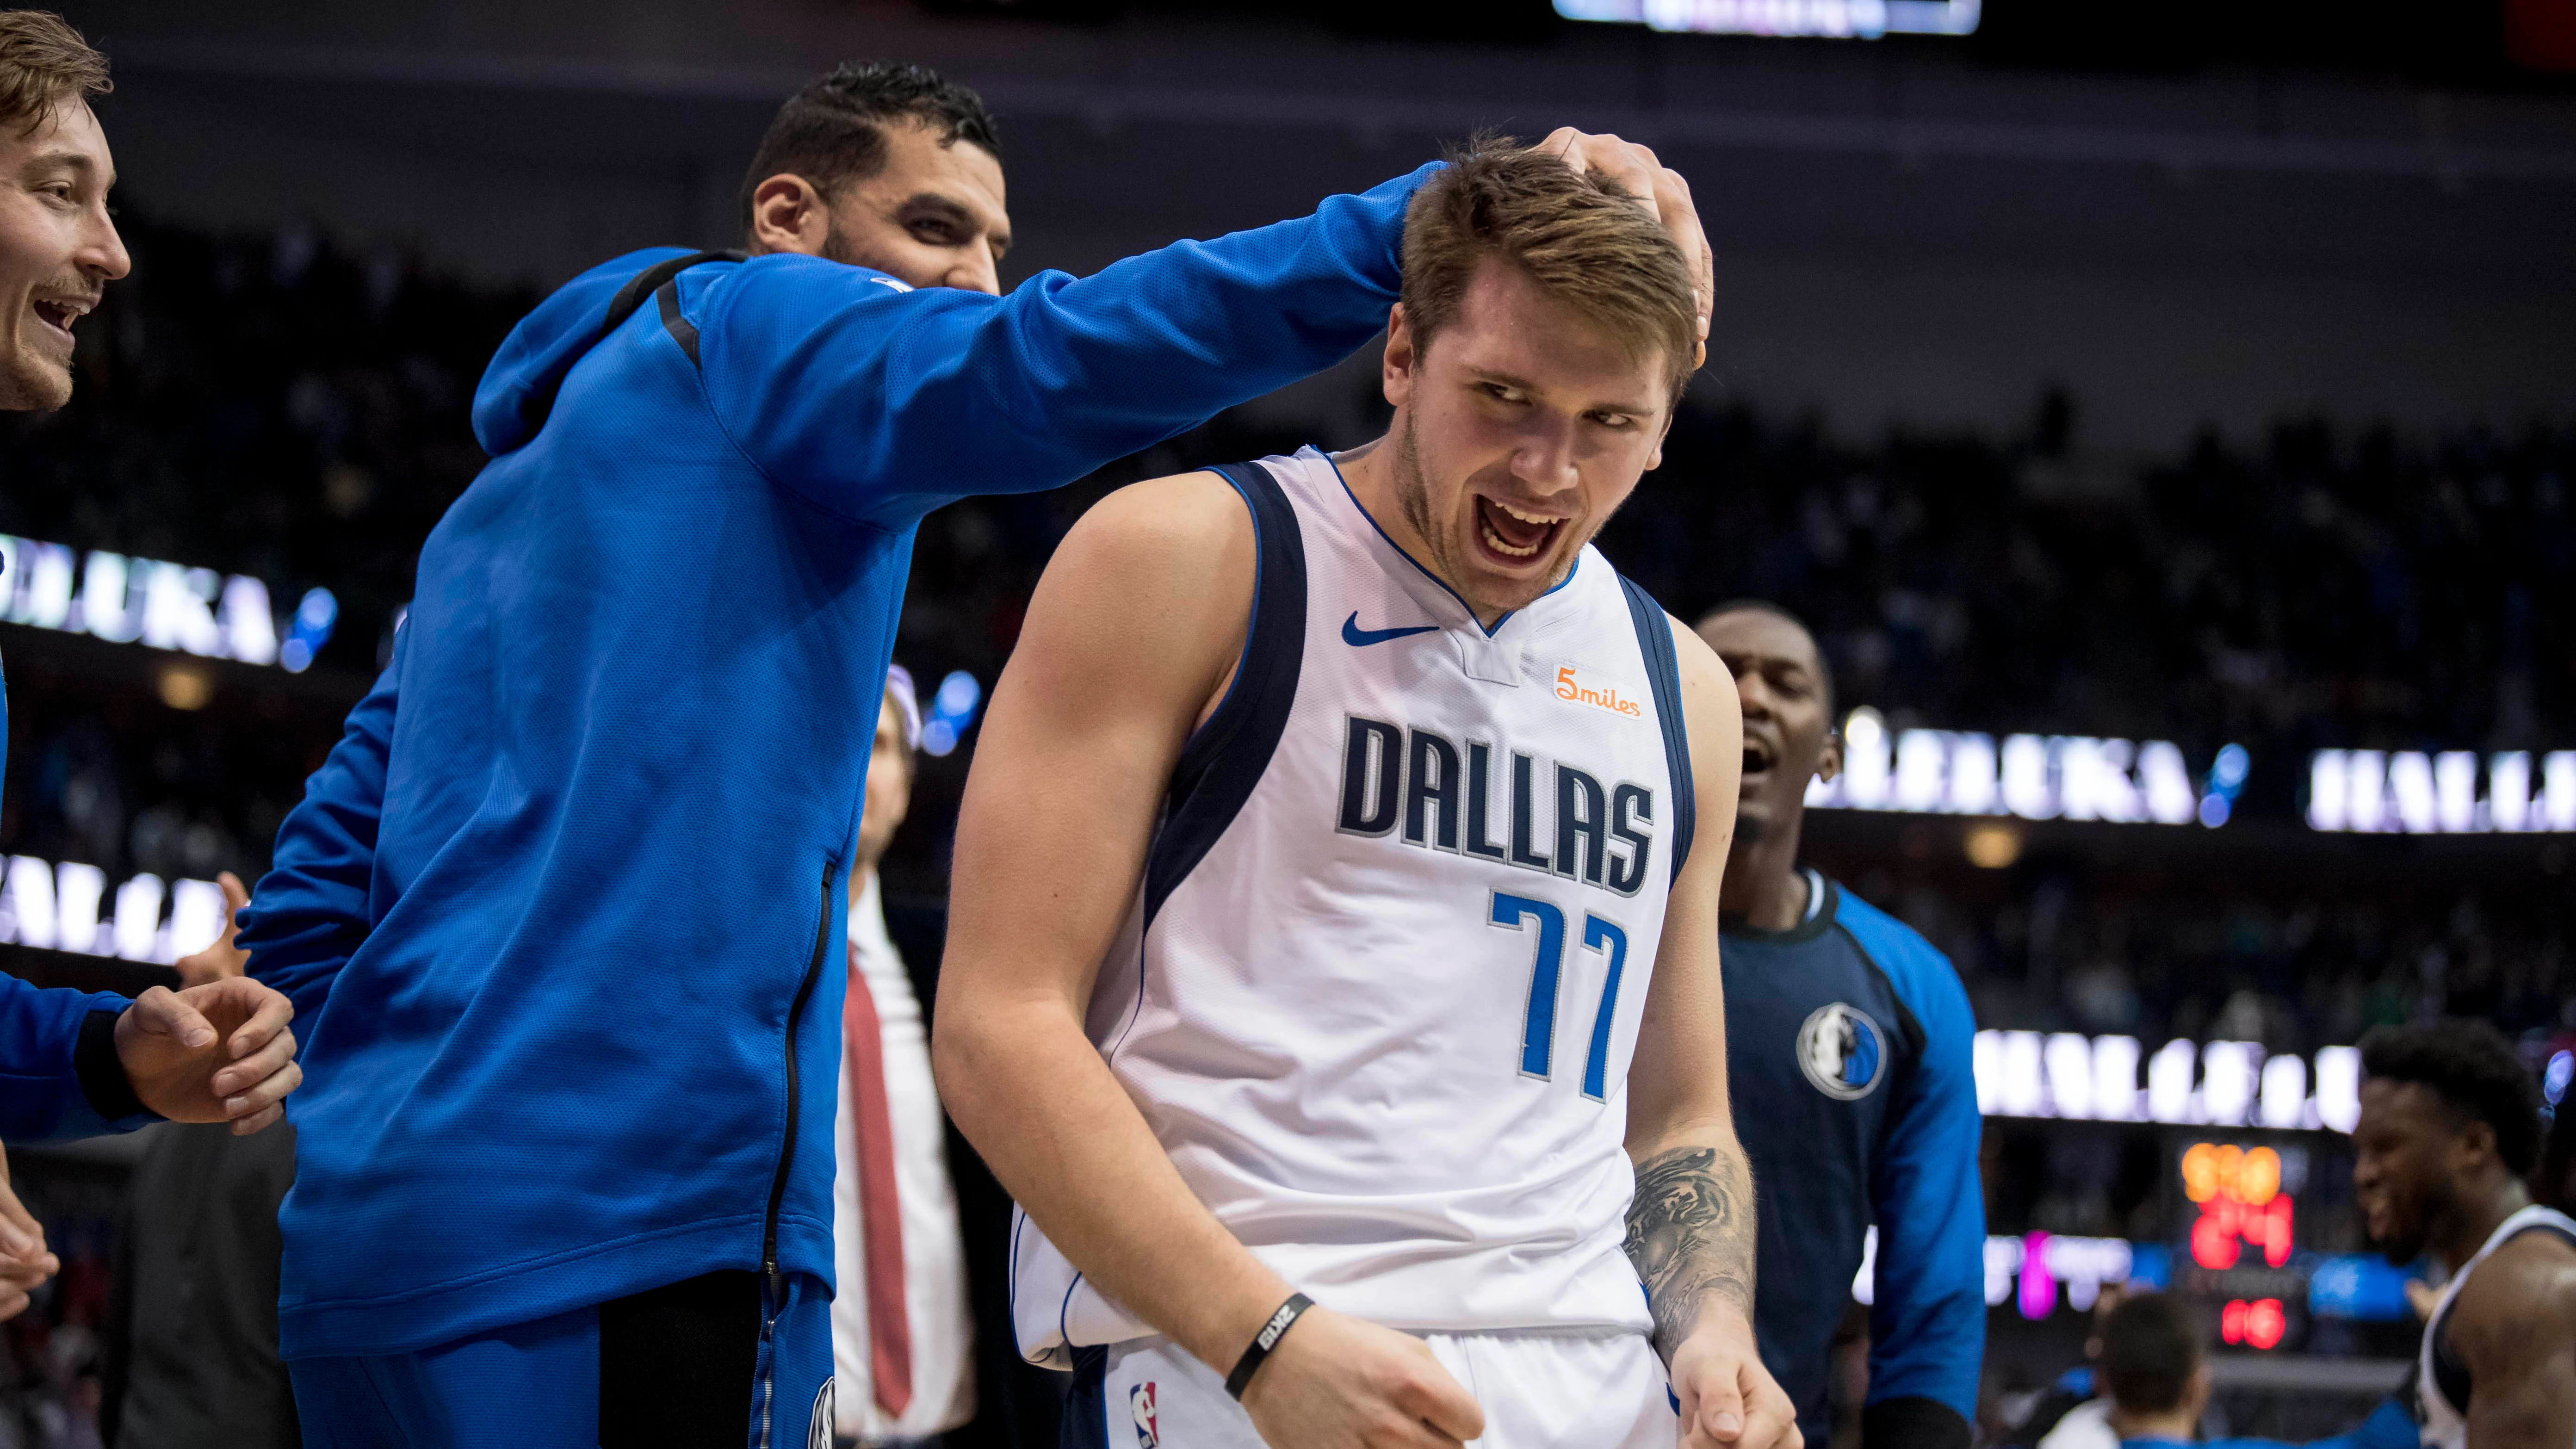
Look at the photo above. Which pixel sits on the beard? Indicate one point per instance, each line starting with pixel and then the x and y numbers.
pixel 33 383
pixel 2415 1229
pixel 1750 827
pixel 1413 497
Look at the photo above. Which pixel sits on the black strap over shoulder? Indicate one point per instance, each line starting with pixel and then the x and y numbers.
pixel 537 405
pixel 646 282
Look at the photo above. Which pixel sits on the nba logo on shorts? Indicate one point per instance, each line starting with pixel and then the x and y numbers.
pixel 1841 1052
pixel 1140 1407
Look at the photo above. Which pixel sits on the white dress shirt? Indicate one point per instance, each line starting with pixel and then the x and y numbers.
pixel 934 1258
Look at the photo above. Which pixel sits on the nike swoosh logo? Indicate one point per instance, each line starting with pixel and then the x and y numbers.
pixel 1359 638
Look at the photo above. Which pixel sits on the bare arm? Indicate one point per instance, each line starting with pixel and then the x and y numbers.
pixel 1131 636
pixel 2515 1327
pixel 1690 1226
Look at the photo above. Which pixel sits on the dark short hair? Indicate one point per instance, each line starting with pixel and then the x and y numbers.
pixel 2148 1354
pixel 44 63
pixel 832 132
pixel 2469 1065
pixel 1824 666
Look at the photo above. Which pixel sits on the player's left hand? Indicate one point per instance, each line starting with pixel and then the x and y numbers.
pixel 1728 1399
pixel 224 958
pixel 220 1052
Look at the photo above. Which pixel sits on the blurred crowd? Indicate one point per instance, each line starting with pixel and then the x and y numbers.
pixel 296 411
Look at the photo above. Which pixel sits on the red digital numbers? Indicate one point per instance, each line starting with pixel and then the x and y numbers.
pixel 2241 1204
pixel 2258 1324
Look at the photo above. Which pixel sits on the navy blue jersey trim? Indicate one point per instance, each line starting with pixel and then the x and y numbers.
pixel 1664 672
pixel 1086 1401
pixel 1443 584
pixel 1224 758
pixel 537 405
pixel 682 330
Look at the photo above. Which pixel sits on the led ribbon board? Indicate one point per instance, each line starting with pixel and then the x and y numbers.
pixel 2219 1084
pixel 2381 792
pixel 1826 19
pixel 2035 777
pixel 158 605
pixel 68 907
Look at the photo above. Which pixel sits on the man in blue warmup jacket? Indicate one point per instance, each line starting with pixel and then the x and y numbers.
pixel 557 907
pixel 1848 1059
pixel 73 1063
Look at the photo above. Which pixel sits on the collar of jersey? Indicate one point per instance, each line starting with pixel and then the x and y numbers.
pixel 1442 584
pixel 1823 904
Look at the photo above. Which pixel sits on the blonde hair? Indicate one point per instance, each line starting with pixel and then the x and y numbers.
pixel 1582 239
pixel 44 63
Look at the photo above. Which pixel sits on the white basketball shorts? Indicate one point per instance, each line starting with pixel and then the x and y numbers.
pixel 1556 1390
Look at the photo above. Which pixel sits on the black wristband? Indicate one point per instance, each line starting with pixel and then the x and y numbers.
pixel 1264 1341
pixel 100 1074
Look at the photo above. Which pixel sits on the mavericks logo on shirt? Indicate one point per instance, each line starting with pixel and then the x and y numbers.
pixel 1842 1052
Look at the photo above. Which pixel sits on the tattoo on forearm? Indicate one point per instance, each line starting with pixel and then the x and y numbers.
pixel 1690 1233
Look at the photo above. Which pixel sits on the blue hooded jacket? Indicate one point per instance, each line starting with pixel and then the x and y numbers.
pixel 59 1076
pixel 553 912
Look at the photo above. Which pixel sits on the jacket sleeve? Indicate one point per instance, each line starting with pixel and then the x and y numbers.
pixel 312 910
pixel 1928 1320
pixel 880 403
pixel 59 1076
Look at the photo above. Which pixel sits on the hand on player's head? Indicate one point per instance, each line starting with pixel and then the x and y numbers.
pixel 1660 189
pixel 220 1052
pixel 1336 1382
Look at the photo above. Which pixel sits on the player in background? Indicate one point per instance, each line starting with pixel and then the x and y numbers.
pixel 2450 1126
pixel 560 903
pixel 80 1062
pixel 1848 1058
pixel 1328 917
pixel 2156 1385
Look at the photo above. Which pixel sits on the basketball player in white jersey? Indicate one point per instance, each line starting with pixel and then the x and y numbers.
pixel 1335 905
pixel 2450 1124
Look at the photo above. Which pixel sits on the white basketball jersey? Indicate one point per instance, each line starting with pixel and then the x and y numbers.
pixel 1379 990
pixel 2442 1384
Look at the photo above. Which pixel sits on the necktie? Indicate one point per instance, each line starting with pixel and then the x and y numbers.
pixel 880 1217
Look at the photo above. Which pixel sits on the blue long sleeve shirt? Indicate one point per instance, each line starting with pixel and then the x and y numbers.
pixel 54 1059
pixel 1849 1062
pixel 554 912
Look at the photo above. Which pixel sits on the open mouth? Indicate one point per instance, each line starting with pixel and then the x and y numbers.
pixel 59 315
pixel 1757 758
pixel 1511 535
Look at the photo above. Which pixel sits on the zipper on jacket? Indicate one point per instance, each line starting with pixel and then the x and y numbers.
pixel 774 1282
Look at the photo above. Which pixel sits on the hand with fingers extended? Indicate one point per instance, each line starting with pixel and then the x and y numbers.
pixel 1336 1382
pixel 24 1261
pixel 1657 187
pixel 1728 1399
pixel 223 959
pixel 220 1052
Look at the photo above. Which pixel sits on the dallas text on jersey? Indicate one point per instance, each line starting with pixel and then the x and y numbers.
pixel 1441 793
